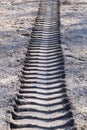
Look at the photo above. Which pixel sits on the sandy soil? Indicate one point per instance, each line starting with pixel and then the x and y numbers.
pixel 74 42
pixel 16 21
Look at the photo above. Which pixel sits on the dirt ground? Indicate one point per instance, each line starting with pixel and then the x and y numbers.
pixel 16 22
pixel 74 43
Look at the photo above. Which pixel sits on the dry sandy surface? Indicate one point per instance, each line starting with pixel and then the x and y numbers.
pixel 16 21
pixel 74 42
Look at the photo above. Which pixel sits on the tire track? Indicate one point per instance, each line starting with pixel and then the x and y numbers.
pixel 42 102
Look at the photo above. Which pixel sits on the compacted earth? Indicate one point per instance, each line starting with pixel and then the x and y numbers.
pixel 16 21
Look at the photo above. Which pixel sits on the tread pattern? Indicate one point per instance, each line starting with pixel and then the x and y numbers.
pixel 42 102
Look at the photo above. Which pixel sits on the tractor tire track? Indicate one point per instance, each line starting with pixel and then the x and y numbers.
pixel 42 102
